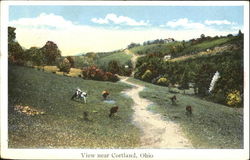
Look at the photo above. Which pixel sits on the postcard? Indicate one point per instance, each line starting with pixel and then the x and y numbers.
pixel 124 80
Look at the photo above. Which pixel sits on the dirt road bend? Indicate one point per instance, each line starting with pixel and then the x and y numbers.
pixel 157 133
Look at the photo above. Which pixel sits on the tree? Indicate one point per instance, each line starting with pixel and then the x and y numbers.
pixel 203 78
pixel 71 61
pixel 240 33
pixel 35 55
pixel 15 51
pixel 11 34
pixel 64 65
pixel 202 36
pixel 114 67
pixel 184 83
pixel 133 45
pixel 51 52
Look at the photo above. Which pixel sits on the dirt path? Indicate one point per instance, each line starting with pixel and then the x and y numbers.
pixel 133 59
pixel 157 133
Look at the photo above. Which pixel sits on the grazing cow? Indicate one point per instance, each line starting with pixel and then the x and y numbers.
pixel 113 110
pixel 173 99
pixel 80 95
pixel 189 109
pixel 105 94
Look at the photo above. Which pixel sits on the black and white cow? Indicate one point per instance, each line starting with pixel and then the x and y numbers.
pixel 80 95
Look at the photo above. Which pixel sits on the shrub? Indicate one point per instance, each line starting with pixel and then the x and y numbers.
pixel 163 81
pixel 64 65
pixel 234 98
pixel 95 73
pixel 147 75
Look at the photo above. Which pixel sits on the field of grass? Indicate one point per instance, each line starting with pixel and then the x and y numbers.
pixel 207 45
pixel 211 125
pixel 121 57
pixel 62 125
pixel 159 48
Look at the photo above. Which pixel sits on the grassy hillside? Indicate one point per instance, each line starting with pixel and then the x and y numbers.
pixel 154 48
pixel 63 125
pixel 177 49
pixel 207 44
pixel 211 125
pixel 121 57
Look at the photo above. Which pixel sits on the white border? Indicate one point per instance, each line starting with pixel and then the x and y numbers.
pixel 193 154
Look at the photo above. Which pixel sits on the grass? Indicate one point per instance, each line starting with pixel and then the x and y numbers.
pixel 74 72
pixel 121 57
pixel 152 48
pixel 63 125
pixel 208 44
pixel 211 125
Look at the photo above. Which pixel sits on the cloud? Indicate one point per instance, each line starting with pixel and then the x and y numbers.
pixel 73 38
pixel 184 23
pixel 218 22
pixel 42 21
pixel 119 20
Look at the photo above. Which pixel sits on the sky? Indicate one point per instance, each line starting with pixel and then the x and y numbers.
pixel 82 29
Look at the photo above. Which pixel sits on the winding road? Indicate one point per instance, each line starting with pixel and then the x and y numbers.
pixel 157 133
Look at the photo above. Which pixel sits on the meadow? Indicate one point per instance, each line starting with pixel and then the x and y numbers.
pixel 210 126
pixel 63 125
pixel 120 57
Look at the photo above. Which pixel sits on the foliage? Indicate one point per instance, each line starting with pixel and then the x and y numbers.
pixel 51 52
pixel 11 34
pixel 199 70
pixel 71 61
pixel 15 51
pixel 163 81
pixel 64 65
pixel 35 55
pixel 132 45
pixel 95 73
pixel 234 98
pixel 147 75
pixel 114 67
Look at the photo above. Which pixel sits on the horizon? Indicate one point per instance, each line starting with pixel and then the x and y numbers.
pixel 82 29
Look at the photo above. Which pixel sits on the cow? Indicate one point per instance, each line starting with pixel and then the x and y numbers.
pixel 80 95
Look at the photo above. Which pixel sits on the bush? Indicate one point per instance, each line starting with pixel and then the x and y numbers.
pixel 147 75
pixel 64 65
pixel 163 81
pixel 95 73
pixel 234 98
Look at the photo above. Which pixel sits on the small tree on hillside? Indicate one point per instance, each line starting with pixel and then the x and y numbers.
pixel 51 52
pixel 64 65
pixel 35 55
pixel 71 61
pixel 15 51
pixel 114 67
pixel 202 36
pixel 184 83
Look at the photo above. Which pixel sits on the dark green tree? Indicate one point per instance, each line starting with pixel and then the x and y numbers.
pixel 51 52
pixel 114 67
pixel 71 61
pixel 15 51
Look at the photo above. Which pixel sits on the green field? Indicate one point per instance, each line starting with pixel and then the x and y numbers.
pixel 208 44
pixel 62 125
pixel 121 57
pixel 211 125
pixel 154 48
pixel 165 49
